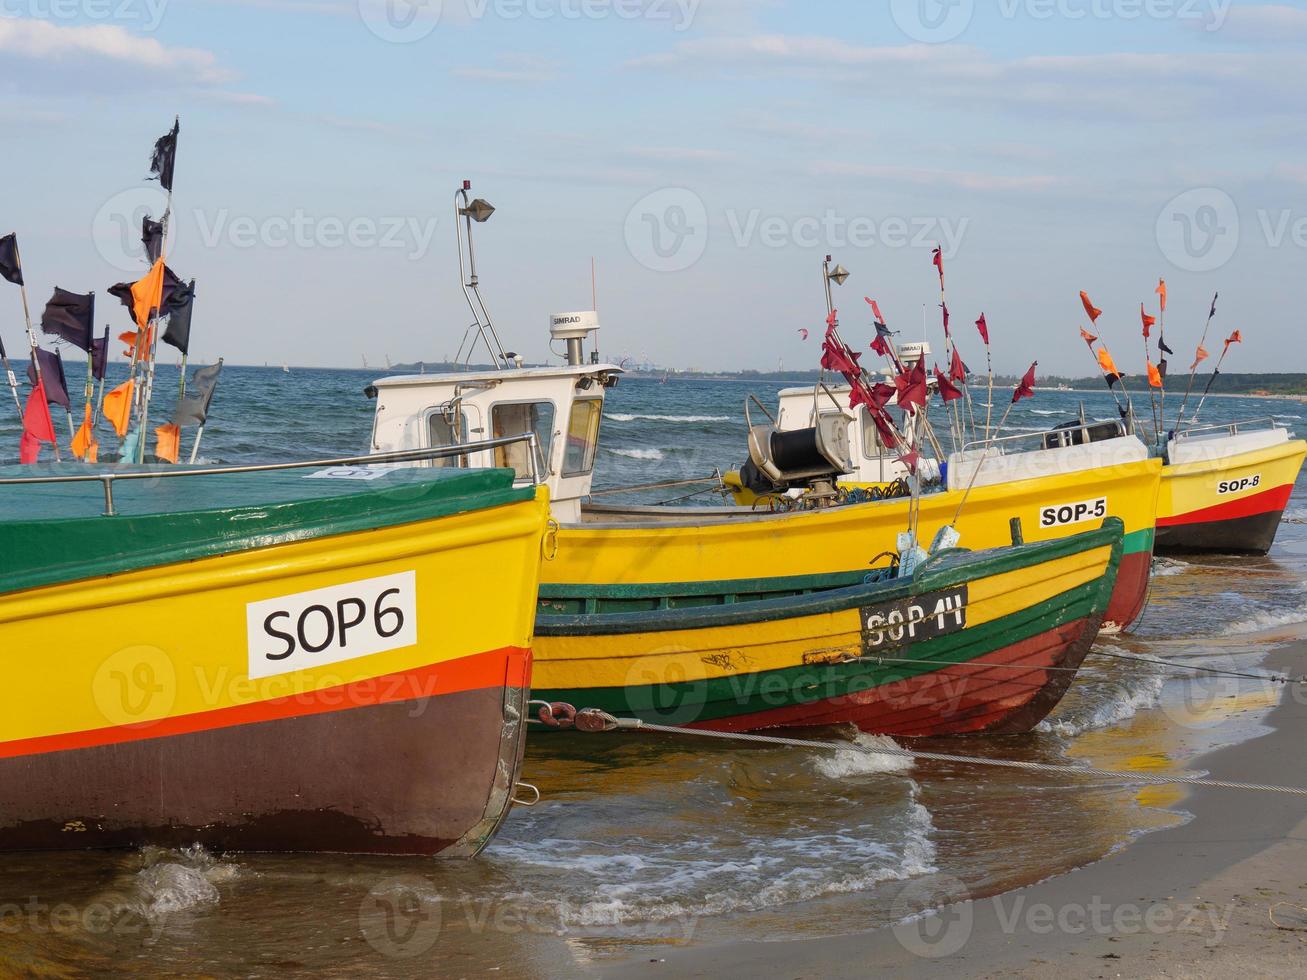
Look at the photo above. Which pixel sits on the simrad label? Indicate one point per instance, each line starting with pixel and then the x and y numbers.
pixel 1239 486
pixel 922 617
pixel 1058 515
pixel 325 626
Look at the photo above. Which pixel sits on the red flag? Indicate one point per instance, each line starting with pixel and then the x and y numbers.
pixel 1201 356
pixel 887 436
pixel 1234 338
pixel 1093 311
pixel 1026 388
pixel 880 346
pixel 875 309
pixel 1149 321
pixel 944 307
pixel 910 459
pixel 1087 337
pixel 1154 375
pixel 938 260
pixel 1161 291
pixel 832 319
pixel 911 385
pixel 38 427
pixel 957 370
pixel 948 391
pixel 983 327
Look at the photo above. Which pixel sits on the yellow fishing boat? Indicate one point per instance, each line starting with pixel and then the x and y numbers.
pixel 1225 487
pixel 329 658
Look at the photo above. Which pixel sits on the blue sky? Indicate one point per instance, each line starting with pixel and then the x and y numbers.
pixel 707 154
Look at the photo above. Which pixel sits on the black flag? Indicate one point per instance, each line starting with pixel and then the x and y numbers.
pixel 173 293
pixel 1161 367
pixel 70 316
pixel 1214 299
pixel 9 266
pixel 194 409
pixel 152 238
pixel 100 356
pixel 179 306
pixel 165 156
pixel 52 373
pixel 1161 342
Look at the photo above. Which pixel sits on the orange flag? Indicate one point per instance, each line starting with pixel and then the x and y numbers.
pixel 1201 356
pixel 1154 376
pixel 168 443
pixel 84 444
pixel 1087 337
pixel 146 293
pixel 1149 321
pixel 1161 291
pixel 118 408
pixel 1093 311
pixel 1106 363
pixel 1234 338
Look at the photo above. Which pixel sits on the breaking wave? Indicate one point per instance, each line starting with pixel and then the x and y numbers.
pixel 652 454
pixel 619 417
pixel 844 763
pixel 1267 619
pixel 1123 701
pixel 1164 567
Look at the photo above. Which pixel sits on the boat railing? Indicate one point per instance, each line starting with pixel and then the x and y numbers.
pixel 1227 428
pixel 107 480
pixel 1061 435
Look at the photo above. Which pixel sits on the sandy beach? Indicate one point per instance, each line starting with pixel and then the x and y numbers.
pixel 1191 901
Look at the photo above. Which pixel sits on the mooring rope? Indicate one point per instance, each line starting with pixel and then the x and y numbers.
pixel 592 720
pixel 1262 676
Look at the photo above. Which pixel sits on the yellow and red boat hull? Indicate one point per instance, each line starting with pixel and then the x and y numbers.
pixel 1230 504
pixel 135 711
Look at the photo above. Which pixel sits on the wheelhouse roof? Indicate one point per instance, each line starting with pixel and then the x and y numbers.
pixel 486 377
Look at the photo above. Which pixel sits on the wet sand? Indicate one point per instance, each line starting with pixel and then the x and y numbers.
pixel 1191 901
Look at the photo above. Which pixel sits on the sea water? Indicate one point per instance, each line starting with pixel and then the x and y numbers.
pixel 641 842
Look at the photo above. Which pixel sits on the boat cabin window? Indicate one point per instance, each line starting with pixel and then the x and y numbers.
pixel 444 431
pixel 582 437
pixel 872 447
pixel 515 419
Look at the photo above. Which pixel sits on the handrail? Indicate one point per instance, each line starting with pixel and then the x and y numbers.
pixel 1232 427
pixel 107 480
pixel 1043 434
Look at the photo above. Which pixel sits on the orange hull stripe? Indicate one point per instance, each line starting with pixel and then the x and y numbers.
pixel 508 666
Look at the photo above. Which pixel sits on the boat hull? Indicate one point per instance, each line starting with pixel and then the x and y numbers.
pixel 1230 504
pixel 820 657
pixel 643 549
pixel 148 718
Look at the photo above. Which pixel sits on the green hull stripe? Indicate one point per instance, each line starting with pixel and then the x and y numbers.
pixel 751 601
pixel 168 521
pixel 742 694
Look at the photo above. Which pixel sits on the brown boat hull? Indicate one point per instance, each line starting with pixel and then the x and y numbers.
pixel 426 776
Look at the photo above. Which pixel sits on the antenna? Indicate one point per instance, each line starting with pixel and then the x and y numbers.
pixel 594 291
pixel 478 210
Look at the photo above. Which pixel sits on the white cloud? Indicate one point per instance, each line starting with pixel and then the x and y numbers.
pixel 960 180
pixel 42 55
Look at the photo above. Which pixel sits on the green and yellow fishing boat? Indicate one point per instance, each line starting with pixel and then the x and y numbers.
pixel 329 658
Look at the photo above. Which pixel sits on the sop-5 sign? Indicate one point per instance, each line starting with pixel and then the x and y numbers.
pixel 1062 514
pixel 325 626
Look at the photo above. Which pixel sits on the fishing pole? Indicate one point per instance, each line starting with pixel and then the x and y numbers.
pixel 1234 338
pixel 1200 356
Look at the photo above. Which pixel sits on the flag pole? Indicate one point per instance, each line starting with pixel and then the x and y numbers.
pixel 95 407
pixel 1193 371
pixel 13 380
pixel 31 339
pixel 1216 371
pixel 958 437
pixel 195 450
pixel 153 338
pixel 1152 394
pixel 989 409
